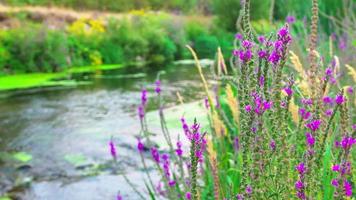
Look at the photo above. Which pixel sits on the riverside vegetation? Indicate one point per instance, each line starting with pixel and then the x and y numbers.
pixel 278 129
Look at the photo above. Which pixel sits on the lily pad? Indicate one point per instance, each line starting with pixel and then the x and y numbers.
pixel 76 159
pixel 22 156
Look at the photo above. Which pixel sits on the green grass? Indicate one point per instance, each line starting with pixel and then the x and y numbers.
pixel 25 81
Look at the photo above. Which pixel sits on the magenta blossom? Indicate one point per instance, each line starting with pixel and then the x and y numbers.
pixel 140 145
pixel 179 150
pixel 158 87
pixel 314 125
pixel 290 19
pixel 155 154
pixel 144 97
pixel 188 196
pixel 335 168
pixel 335 183
pixel 112 149
pixel 301 168
pixel 304 113
pixel 299 185
pixel 239 36
pixel 347 188
pixel 288 91
pixel 339 99
pixel 261 39
pixel 310 139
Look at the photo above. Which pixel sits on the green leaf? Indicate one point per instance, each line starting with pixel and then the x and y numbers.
pixel 5 198
pixel 76 159
pixel 22 156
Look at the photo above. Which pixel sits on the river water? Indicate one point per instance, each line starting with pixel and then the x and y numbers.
pixel 66 131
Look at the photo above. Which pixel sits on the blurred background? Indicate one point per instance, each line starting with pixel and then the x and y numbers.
pixel 71 72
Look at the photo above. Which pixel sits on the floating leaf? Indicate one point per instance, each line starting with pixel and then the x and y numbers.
pixel 22 156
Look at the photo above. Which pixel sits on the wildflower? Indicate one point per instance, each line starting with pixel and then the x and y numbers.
pixel 249 190
pixel 272 145
pixel 327 100
pixel 172 183
pixel 262 81
pixel 335 168
pixel 339 99
pixel 290 19
pixel 245 56
pixel 188 196
pixel 304 113
pixel 158 87
pixel 328 72
pixel 155 154
pixel 301 195
pixel 141 112
pixel 353 127
pixel 347 188
pixel 347 142
pixel 328 112
pixel 274 57
pixel 144 97
pixel 239 36
pixel 310 139
pixel 299 185
pixel 283 32
pixel 314 125
pixel 236 144
pixel 262 54
pixel 119 197
pixel 261 39
pixel 350 90
pixel 335 183
pixel 307 102
pixel 140 145
pixel 248 108
pixel 236 52
pixel 239 197
pixel 112 149
pixel 301 168
pixel 288 91
pixel 165 158
pixel 247 44
pixel 179 150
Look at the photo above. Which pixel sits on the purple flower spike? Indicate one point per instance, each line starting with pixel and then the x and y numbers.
pixel 112 149
pixel 314 125
pixel 328 100
pixel 188 196
pixel 301 168
pixel 299 185
pixel 248 108
pixel 249 190
pixel 261 39
pixel 262 54
pixel 158 87
pixel 172 183
pixel 288 91
pixel 347 188
pixel 310 139
pixel 239 36
pixel 247 44
pixel 350 90
pixel 335 168
pixel 144 97
pixel 155 154
pixel 119 197
pixel 304 113
pixel 335 183
pixel 339 99
pixel 140 145
pixel 290 19
pixel 272 145
pixel 179 150
pixel 141 112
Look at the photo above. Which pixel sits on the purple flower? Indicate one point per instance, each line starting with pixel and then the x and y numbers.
pixel 206 103
pixel 272 145
pixel 329 71
pixel 261 39
pixel 310 139
pixel 301 195
pixel 141 112
pixel 301 168
pixel 307 102
pixel 247 44
pixel 158 87
pixel 262 81
pixel 236 144
pixel 274 57
pixel 140 145
pixel 165 158
pixel 353 127
pixel 112 149
pixel 347 188
pixel 299 185
pixel 262 54
pixel 328 112
pixel 188 196
pixel 335 183
pixel 339 99
pixel 239 197
pixel 179 150
pixel 288 91
pixel 283 32
pixel 249 190
pixel 155 154
pixel 239 36
pixel 304 113
pixel 172 183
pixel 350 90
pixel 119 197
pixel 248 108
pixel 290 19
pixel 335 168
pixel 314 125
pixel 347 142
pixel 328 100
pixel 245 56
pixel 144 97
